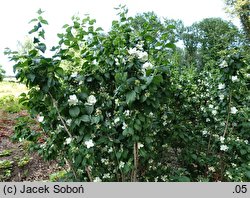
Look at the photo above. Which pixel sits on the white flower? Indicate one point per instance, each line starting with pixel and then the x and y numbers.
pixel 234 78
pixel 117 61
pixel 116 120
pixel 221 86
pixel 72 100
pixel 223 147
pixel 68 122
pixel 223 64
pixel 97 179
pixel 204 132
pixel 68 140
pixel 126 112
pixel 110 150
pixel 91 100
pixel 221 96
pixel 74 75
pixel 40 118
pixel 121 164
pixel 132 51
pixel 222 139
pixel 248 75
pixel 89 143
pixel 207 120
pixel 214 112
pixel 222 124
pixel 233 110
pixel 143 56
pixel 139 46
pixel 211 106
pixel 105 161
pixel 212 169
pixel 246 141
pixel 106 175
pixel 124 125
pixel 140 145
pixel 233 164
pixel 117 101
pixel 94 62
pixel 147 94
pixel 147 65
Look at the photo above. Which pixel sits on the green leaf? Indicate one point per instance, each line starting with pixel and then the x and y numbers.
pixel 141 117
pixel 59 71
pixel 170 45
pixel 243 152
pixel 128 131
pixel 33 20
pixel 40 11
pixel 67 42
pixel 41 47
pixel 130 97
pixel 36 28
pixel 95 119
pixel 118 155
pixel 137 127
pixel 183 179
pixel 99 29
pixel 65 26
pixel 60 35
pixel 194 156
pixel 148 140
pixel 248 174
pixel 31 77
pixel 171 27
pixel 36 40
pixel 43 21
pixel 76 25
pixel 74 112
pixel 85 118
pixel 42 33
pixel 89 109
pixel 157 79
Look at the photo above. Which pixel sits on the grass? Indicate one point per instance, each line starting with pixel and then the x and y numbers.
pixel 9 92
pixel 11 88
pixel 9 103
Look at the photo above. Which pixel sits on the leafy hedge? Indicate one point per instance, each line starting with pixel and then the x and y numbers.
pixel 115 107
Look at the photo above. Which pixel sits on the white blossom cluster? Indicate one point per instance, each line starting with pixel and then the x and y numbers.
pixel 73 100
pixel 91 100
pixel 89 143
pixel 40 118
pixel 223 64
pixel 137 52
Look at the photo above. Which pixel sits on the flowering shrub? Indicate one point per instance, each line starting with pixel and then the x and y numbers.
pixel 116 109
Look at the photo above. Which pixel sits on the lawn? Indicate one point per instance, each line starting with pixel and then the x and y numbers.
pixel 11 88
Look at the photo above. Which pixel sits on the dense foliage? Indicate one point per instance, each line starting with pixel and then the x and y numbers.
pixel 240 8
pixel 2 72
pixel 118 106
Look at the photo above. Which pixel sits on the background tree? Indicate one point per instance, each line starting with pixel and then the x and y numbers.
pixel 2 72
pixel 241 9
pixel 204 40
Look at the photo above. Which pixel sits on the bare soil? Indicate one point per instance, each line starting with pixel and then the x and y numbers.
pixel 36 169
